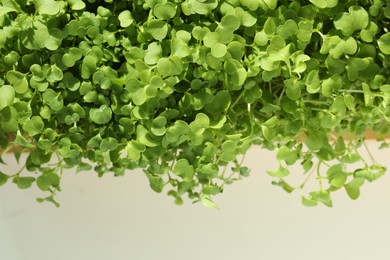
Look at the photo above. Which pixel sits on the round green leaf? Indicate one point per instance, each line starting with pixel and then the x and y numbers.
pixel 157 28
pixel 24 182
pixel 108 144
pixel 199 32
pixel 47 7
pixel 88 66
pixel 164 11
pixel 77 5
pixel 356 19
pixel 18 80
pixel 101 115
pixel 384 43
pixel 53 42
pixel 53 99
pixel 34 126
pixel 134 149
pixel 210 39
pixel 54 74
pixel 231 22
pixel 158 126
pixel 125 18
pixel 170 66
pixel 203 7
pixel 183 169
pixel 7 95
pixel 218 50
pixel 43 182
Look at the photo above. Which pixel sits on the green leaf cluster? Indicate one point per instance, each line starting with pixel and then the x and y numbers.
pixel 182 89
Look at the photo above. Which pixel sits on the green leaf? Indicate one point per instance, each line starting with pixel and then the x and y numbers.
pixel 6 9
pixel 108 144
pixel 293 89
pixel 201 122
pixel 322 196
pixel 280 173
pixel 134 150
pixel 206 201
pixel 47 7
pixel 43 183
pixel 229 151
pixel 101 115
pixel 331 85
pixel 3 38
pixel 77 5
pixel 211 38
pixel 24 182
pixel 3 178
pixel 9 117
pixel 47 180
pixel 309 202
pixel 371 173
pixel 203 6
pixel 83 167
pixel 319 3
pixel 252 5
pixel 156 183
pixel 338 180
pixel 164 11
pixel 313 82
pixel 154 53
pixel 53 99
pixel 40 37
pixel 384 43
pixel 284 185
pixel 285 154
pixel 351 158
pixel 211 190
pixel 50 39
pixel 356 19
pixel 125 18
pixel 246 18
pixel 368 34
pixel 158 126
pixel 54 74
pixel 170 66
pixel 7 95
pixel 271 4
pixel 157 28
pixel 335 170
pixel 348 46
pixel 183 169
pixel 18 80
pixel 261 38
pixel 88 66
pixel 350 102
pixel 200 32
pixel 288 29
pixel 145 137
pixel 353 187
pixel 324 3
pixel 218 50
pixel 34 126
pixel 230 22
pixel 21 141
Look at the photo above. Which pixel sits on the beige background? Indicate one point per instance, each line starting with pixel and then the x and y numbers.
pixel 121 218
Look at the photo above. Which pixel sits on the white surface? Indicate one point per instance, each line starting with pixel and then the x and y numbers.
pixel 121 218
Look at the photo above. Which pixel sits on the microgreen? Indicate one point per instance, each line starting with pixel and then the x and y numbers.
pixel 182 89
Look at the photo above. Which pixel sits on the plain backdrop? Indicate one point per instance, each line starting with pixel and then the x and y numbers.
pixel 122 218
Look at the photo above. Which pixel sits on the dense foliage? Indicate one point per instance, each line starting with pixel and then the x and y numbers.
pixel 183 88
